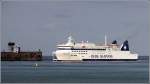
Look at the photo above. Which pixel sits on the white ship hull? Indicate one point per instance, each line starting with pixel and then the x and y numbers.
pixel 62 55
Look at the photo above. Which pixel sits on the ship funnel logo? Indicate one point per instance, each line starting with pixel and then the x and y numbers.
pixel 125 46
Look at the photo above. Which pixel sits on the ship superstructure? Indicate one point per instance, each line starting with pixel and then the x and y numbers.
pixel 86 51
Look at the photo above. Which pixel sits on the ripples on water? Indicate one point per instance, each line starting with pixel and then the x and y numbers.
pixel 79 72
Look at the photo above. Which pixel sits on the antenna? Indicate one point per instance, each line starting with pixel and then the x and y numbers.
pixel 70 39
pixel 105 40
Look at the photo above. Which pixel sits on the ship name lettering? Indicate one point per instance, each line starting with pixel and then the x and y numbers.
pixel 101 56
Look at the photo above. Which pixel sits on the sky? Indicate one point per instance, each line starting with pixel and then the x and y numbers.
pixel 34 25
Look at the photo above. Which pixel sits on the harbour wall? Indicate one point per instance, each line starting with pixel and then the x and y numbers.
pixel 21 56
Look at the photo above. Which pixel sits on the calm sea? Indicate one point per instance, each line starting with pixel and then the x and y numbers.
pixel 82 72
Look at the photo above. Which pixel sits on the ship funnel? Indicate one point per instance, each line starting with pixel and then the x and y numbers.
pixel 125 46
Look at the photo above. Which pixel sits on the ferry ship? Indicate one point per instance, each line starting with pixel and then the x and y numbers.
pixel 86 51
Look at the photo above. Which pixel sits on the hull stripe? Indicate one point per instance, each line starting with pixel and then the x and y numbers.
pixel 109 59
pixel 101 60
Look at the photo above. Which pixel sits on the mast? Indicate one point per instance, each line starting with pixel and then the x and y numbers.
pixel 70 40
pixel 105 40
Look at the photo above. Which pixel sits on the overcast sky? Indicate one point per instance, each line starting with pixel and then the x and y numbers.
pixel 41 25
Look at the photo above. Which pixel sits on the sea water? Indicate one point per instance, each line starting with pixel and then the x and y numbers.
pixel 47 71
